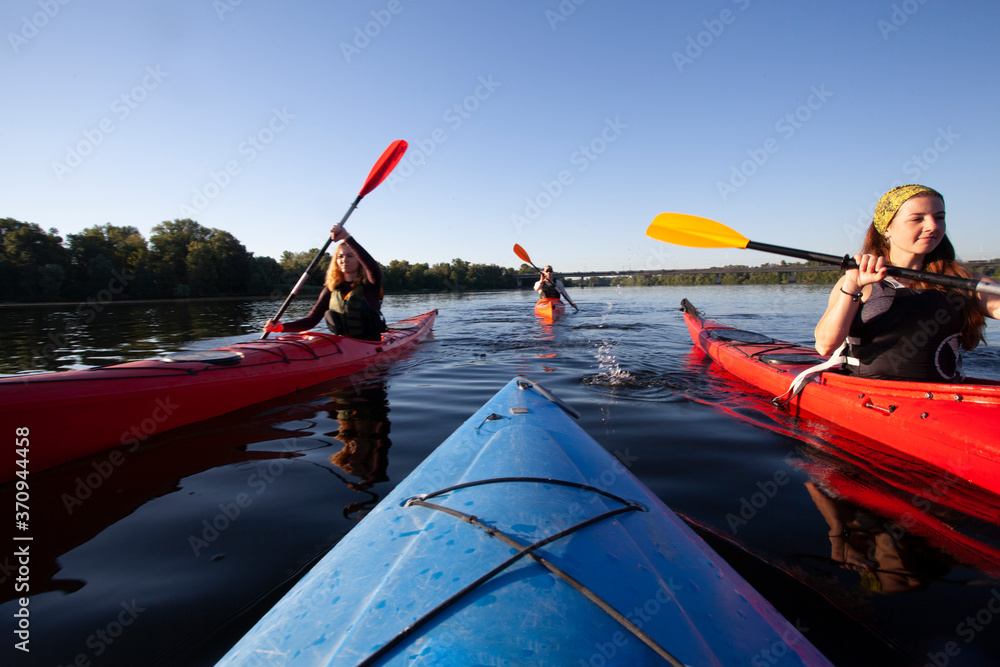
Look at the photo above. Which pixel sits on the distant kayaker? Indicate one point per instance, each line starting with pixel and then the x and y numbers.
pixel 549 287
pixel 894 328
pixel 351 299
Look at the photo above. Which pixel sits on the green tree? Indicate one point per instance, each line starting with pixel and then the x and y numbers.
pixel 265 276
pixel 458 275
pixel 28 255
pixel 295 263
pixel 394 276
pixel 218 265
pixel 105 253
pixel 50 281
pixel 170 243
pixel 417 276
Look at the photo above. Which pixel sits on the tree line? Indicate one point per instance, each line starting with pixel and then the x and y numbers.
pixel 818 277
pixel 776 277
pixel 184 259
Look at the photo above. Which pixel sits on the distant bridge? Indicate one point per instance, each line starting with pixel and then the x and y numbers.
pixel 789 271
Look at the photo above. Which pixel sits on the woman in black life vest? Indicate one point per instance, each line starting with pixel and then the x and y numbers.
pixel 896 328
pixel 549 287
pixel 352 294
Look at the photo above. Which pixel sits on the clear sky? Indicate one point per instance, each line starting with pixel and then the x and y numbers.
pixel 565 126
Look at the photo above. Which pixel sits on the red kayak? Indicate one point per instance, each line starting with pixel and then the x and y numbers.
pixel 955 427
pixel 63 416
pixel 550 309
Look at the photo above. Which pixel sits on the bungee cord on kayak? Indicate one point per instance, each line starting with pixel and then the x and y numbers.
pixel 523 550
pixel 403 586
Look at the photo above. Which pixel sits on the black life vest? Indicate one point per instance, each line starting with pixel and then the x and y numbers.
pixel 906 334
pixel 351 315
pixel 550 291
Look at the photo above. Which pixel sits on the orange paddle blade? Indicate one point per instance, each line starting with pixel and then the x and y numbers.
pixel 520 252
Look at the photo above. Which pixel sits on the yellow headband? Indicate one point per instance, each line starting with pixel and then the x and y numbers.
pixel 890 202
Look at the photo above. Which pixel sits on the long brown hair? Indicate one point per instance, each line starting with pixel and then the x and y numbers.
pixel 940 260
pixel 334 276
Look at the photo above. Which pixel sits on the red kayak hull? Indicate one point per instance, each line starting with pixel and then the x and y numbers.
pixel 75 413
pixel 550 309
pixel 955 427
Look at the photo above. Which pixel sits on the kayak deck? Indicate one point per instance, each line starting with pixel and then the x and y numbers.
pixel 550 309
pixel 955 427
pixel 75 413
pixel 520 540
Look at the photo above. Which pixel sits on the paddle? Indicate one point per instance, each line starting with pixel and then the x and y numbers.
pixel 523 254
pixel 695 232
pixel 386 163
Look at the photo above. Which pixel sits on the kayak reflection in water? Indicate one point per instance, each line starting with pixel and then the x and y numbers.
pixel 351 299
pixel 364 429
pixel 889 559
pixel 895 328
pixel 550 287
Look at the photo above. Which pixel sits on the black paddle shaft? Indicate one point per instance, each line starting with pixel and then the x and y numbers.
pixel 312 265
pixel 847 262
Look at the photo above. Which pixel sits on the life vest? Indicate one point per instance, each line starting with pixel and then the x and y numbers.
pixel 906 334
pixel 353 316
pixel 550 291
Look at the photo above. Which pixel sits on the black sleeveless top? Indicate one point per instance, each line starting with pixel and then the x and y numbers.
pixel 906 334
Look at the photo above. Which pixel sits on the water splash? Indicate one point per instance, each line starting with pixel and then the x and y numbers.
pixel 610 373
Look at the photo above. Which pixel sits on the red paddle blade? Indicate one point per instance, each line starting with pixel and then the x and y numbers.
pixel 520 252
pixel 384 166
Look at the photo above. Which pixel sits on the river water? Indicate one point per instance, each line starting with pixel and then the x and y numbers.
pixel 155 563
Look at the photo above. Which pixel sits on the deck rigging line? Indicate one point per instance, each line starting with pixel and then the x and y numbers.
pixel 524 550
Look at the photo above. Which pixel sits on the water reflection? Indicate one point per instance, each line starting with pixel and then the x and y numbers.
pixel 363 418
pixel 924 530
pixel 889 559
pixel 134 530
pixel 903 523
pixel 60 338
pixel 74 503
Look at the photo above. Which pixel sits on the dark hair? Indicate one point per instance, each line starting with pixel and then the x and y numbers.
pixel 940 260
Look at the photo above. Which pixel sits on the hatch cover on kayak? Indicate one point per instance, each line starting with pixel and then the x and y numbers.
pixel 740 336
pixel 793 358
pixel 403 326
pixel 217 357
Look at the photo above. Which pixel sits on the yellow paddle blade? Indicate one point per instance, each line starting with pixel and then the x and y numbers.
pixel 694 232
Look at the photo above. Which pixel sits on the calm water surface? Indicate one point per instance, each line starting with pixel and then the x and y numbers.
pixel 167 558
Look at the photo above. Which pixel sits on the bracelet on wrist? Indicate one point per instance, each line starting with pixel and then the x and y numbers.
pixel 854 297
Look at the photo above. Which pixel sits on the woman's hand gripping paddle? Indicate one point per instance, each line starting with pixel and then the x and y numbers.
pixel 385 165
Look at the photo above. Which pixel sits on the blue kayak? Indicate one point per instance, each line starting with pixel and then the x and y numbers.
pixel 520 540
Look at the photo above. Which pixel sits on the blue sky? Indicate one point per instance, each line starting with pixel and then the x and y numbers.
pixel 563 126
